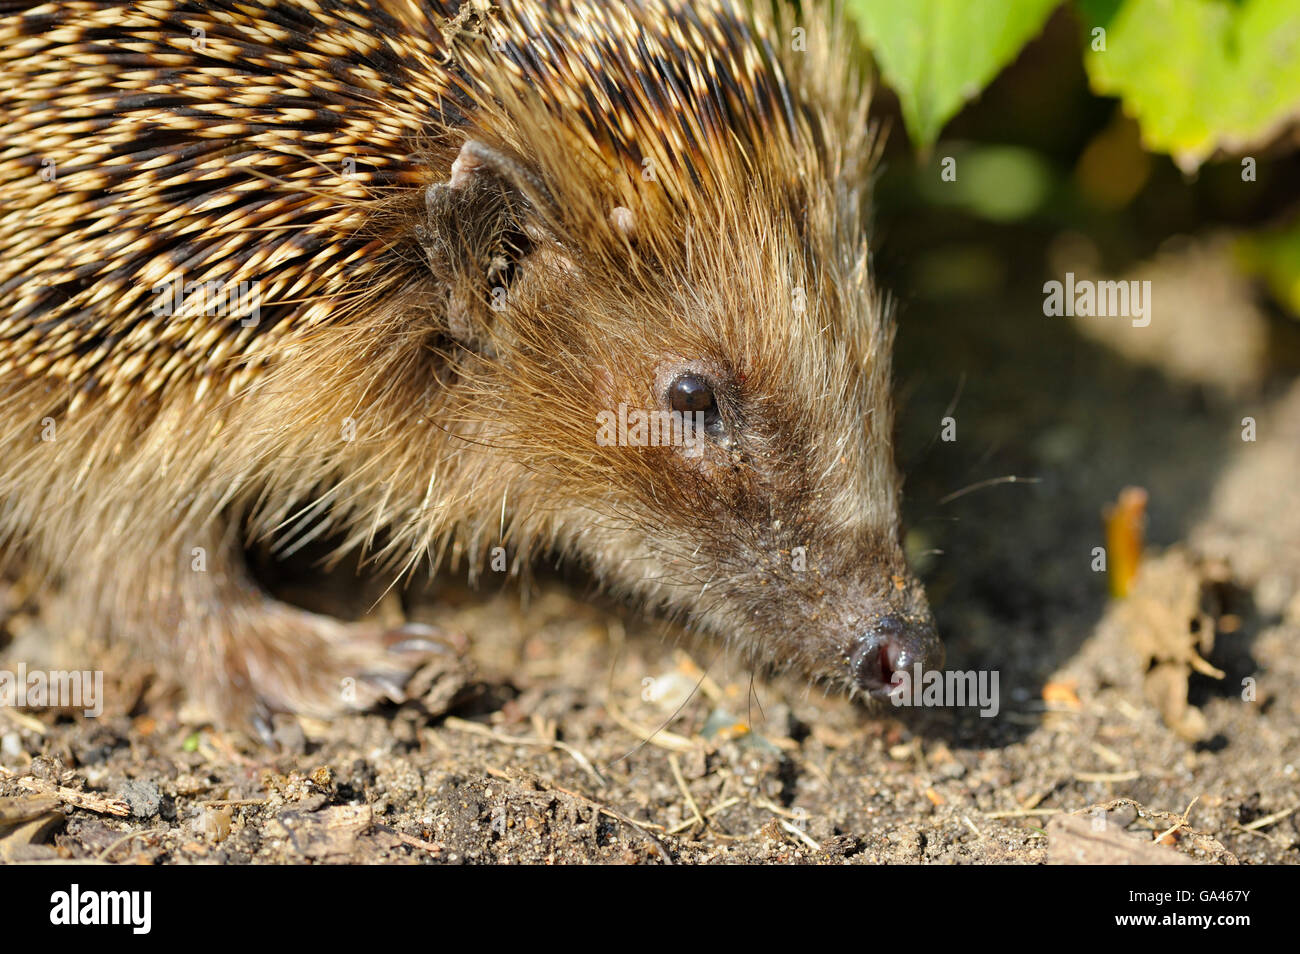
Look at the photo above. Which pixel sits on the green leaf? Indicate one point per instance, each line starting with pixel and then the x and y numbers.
pixel 937 54
pixel 1199 75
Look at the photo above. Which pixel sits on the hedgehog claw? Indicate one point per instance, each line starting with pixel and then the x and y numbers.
pixel 260 722
pixel 389 686
pixel 423 638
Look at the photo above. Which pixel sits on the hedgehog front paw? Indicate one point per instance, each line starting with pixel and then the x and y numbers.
pixel 376 664
pixel 287 660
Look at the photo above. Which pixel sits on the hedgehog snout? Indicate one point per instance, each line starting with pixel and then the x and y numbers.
pixel 891 645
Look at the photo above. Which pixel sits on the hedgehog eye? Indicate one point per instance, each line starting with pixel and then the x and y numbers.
pixel 692 394
pixel 689 394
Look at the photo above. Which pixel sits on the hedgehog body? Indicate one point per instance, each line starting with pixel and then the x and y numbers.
pixel 394 272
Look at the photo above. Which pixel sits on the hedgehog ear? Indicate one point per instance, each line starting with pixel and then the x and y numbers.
pixel 481 225
pixel 476 158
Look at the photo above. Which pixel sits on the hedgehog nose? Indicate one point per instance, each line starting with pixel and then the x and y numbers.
pixel 892 645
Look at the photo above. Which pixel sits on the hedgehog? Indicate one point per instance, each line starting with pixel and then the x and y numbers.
pixel 434 281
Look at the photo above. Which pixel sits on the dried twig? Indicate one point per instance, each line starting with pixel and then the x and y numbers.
pixel 1182 822
pixel 720 807
pixel 797 832
pixel 1107 776
pixel 24 720
pixel 70 796
pixel 1267 820
pixel 686 792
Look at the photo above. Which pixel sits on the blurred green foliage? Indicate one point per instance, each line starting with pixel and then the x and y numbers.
pixel 937 54
pixel 1199 75
pixel 1075 142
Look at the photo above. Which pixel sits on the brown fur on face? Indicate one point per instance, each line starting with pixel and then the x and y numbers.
pixel 471 234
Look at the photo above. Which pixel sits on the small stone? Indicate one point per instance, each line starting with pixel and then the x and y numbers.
pixel 951 769
pixel 1123 815
pixel 144 797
